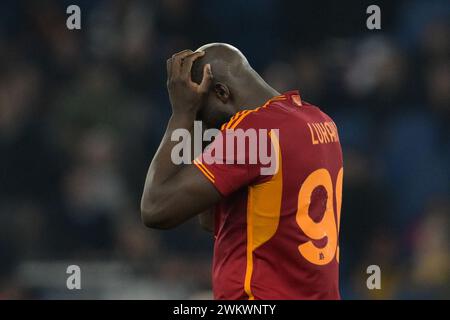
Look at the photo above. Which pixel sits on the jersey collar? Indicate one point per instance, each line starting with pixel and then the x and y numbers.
pixel 294 96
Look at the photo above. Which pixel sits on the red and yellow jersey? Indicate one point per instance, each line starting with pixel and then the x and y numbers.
pixel 276 236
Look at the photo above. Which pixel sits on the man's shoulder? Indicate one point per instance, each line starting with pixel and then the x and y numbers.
pixel 269 115
pixel 281 111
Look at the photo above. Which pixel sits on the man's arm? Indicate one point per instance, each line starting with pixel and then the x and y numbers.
pixel 172 194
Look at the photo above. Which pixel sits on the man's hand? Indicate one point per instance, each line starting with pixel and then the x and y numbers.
pixel 185 95
pixel 172 194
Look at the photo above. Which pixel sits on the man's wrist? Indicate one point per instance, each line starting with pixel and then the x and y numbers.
pixel 183 118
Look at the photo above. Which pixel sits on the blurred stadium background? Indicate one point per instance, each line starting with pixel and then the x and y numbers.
pixel 82 112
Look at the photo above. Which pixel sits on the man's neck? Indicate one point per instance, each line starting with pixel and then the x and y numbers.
pixel 258 94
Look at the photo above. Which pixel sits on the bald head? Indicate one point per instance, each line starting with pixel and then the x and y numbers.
pixel 227 63
pixel 235 84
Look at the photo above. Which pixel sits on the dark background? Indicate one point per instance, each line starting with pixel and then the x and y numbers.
pixel 82 112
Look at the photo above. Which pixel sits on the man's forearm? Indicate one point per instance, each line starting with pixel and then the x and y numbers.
pixel 162 167
pixel 165 179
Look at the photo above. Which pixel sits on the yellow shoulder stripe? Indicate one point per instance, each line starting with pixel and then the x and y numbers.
pixel 239 116
pixel 205 171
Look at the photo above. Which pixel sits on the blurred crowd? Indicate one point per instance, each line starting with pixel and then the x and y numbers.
pixel 83 111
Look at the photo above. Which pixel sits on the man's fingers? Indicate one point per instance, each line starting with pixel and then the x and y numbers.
pixel 187 62
pixel 207 78
pixel 180 65
pixel 177 61
pixel 182 53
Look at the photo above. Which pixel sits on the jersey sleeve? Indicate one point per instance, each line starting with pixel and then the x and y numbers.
pixel 240 155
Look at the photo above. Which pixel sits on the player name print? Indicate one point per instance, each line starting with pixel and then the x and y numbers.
pixel 323 132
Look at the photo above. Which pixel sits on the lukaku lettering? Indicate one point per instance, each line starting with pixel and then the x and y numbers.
pixel 323 132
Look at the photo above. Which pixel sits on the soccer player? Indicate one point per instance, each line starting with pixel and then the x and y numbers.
pixel 276 235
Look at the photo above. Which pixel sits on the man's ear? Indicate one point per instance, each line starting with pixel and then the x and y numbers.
pixel 222 92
